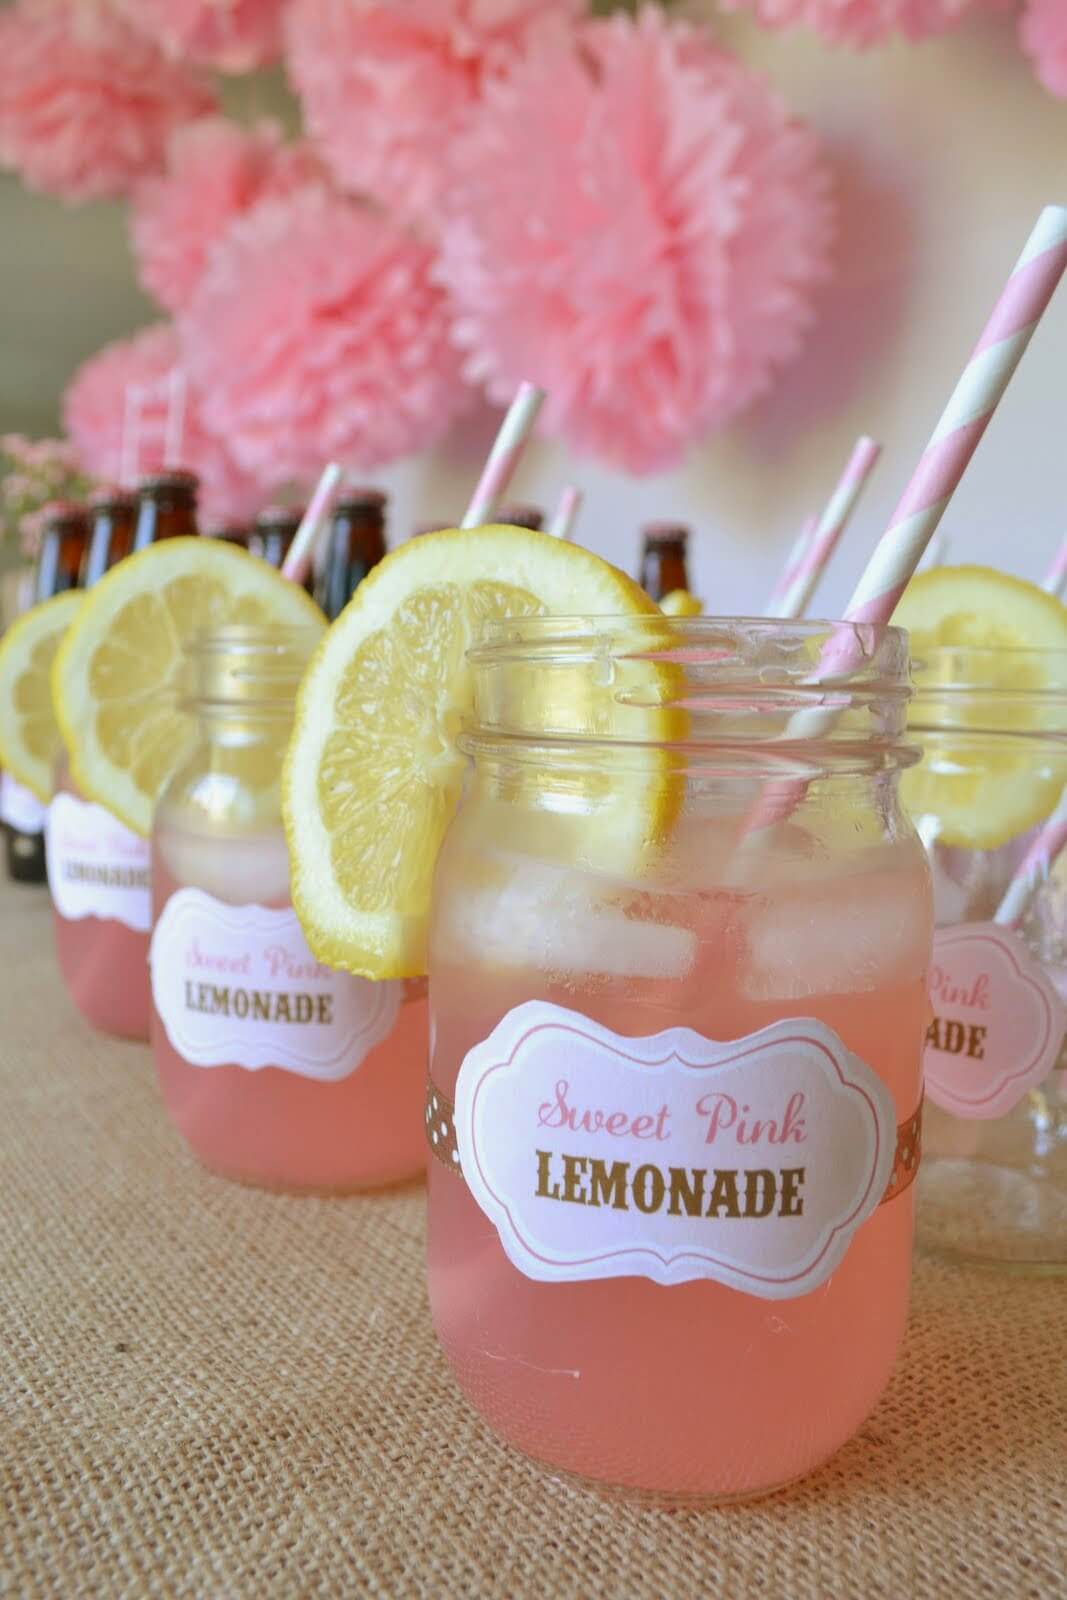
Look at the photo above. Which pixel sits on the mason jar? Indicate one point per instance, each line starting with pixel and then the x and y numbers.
pixel 277 1070
pixel 993 726
pixel 674 1094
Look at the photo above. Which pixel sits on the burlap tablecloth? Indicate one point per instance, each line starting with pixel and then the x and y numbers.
pixel 213 1392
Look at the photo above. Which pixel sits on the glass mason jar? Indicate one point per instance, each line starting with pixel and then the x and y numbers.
pixel 993 726
pixel 98 875
pixel 278 1071
pixel 675 1055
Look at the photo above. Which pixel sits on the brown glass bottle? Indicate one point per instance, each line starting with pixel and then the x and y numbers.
pixel 520 516
pixel 232 533
pixel 273 533
pixel 356 544
pixel 166 508
pixel 59 566
pixel 663 567
pixel 112 518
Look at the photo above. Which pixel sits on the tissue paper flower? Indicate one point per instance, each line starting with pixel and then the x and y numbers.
pixel 96 416
pixel 87 104
pixel 386 84
pixel 863 22
pixel 316 334
pixel 231 35
pixel 1043 34
pixel 656 262
pixel 215 171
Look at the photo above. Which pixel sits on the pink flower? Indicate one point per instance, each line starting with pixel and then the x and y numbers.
pixel 86 104
pixel 215 171
pixel 386 84
pixel 1043 34
pixel 95 413
pixel 863 22
pixel 656 261
pixel 232 35
pixel 316 334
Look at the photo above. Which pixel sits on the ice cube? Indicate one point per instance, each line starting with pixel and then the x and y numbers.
pixel 561 922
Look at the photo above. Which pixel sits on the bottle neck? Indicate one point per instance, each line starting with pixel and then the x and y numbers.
pixel 663 569
pixel 163 519
pixel 356 544
pixel 110 541
pixel 60 562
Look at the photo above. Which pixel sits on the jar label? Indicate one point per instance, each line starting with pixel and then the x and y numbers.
pixel 998 1021
pixel 96 866
pixel 19 806
pixel 238 986
pixel 672 1157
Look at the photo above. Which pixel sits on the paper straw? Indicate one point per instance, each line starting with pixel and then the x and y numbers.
pixel 566 513
pixel 831 526
pixel 1033 869
pixel 1022 304
pixel 130 441
pixel 936 552
pixel 508 446
pixel 175 425
pixel 297 561
pixel 789 571
pixel 1055 579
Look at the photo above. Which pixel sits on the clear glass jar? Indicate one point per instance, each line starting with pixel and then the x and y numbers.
pixel 278 1071
pixel 993 726
pixel 675 1059
pixel 98 875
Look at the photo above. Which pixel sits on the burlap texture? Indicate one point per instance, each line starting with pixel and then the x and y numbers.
pixel 213 1392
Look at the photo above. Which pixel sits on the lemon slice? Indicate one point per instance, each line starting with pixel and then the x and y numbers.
pixel 373 773
pixel 30 740
pixel 990 655
pixel 118 678
pixel 680 603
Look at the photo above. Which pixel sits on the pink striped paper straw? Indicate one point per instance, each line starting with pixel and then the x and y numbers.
pixel 789 571
pixel 297 561
pixel 832 524
pixel 174 432
pixel 1055 579
pixel 1015 316
pixel 566 513
pixel 1033 869
pixel 499 469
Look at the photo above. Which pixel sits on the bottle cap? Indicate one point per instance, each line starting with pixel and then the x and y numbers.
pixel 360 500
pixel 518 515
pixel 159 485
pixel 661 533
pixel 279 517
pixel 112 497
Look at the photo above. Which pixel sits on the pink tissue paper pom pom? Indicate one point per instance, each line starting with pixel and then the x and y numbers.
pixel 386 84
pixel 231 35
pixel 317 335
pixel 86 104
pixel 864 22
pixel 94 414
pixel 1043 34
pixel 215 171
pixel 656 262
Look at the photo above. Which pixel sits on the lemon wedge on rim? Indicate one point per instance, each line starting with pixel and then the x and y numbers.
pixel 119 677
pixel 30 740
pixel 373 772
pixel 990 669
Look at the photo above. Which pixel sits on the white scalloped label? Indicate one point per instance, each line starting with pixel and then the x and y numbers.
pixel 19 806
pixel 998 1021
pixel 96 866
pixel 238 986
pixel 672 1157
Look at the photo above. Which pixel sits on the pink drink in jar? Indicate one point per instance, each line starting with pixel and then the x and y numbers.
pixel 277 1070
pixel 98 875
pixel 657 1258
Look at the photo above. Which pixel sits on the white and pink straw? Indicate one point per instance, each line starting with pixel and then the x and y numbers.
pixel 1004 339
pixel 566 513
pixel 831 525
pixel 788 574
pixel 1055 579
pixel 1033 869
pixel 299 556
pixel 510 442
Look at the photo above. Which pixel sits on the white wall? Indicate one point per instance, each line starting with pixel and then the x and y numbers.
pixel 945 154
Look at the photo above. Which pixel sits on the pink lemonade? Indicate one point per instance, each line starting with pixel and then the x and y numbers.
pixel 277 1070
pixel 98 874
pixel 274 1127
pixel 637 1110
pixel 737 1394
